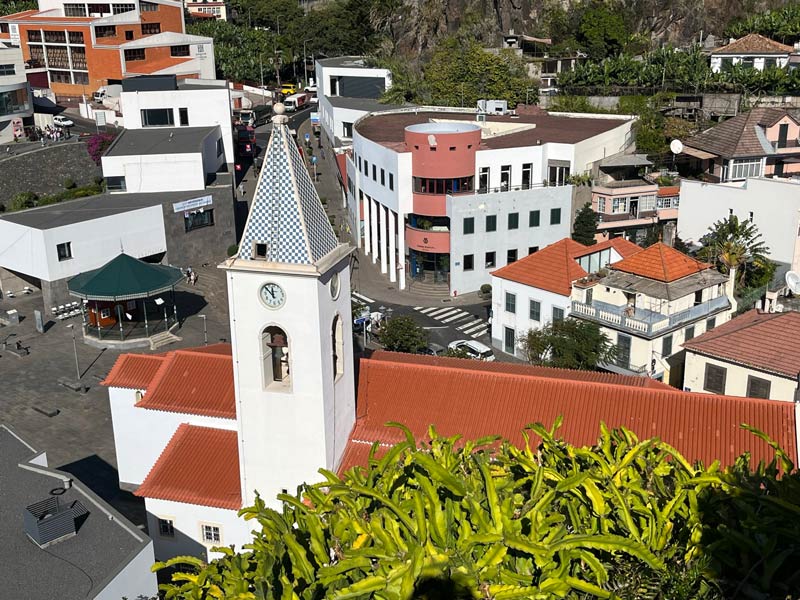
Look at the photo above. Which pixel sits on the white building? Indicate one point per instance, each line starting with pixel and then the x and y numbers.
pixel 652 302
pixel 754 51
pixel 536 290
pixel 747 356
pixel 250 424
pixel 773 205
pixel 163 101
pixel 444 196
pixel 16 102
pixel 208 9
pixel 197 58
pixel 348 89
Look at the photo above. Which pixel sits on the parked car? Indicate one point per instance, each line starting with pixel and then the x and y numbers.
pixel 433 349
pixel 287 89
pixel 475 350
pixel 60 121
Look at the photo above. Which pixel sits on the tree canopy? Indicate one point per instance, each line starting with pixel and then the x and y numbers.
pixel 402 334
pixel 568 344
pixel 624 519
pixel 585 226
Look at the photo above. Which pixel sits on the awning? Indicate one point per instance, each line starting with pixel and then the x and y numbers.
pixel 124 278
pixel 702 154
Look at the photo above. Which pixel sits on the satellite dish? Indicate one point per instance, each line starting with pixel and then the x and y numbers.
pixel 793 282
pixel 676 146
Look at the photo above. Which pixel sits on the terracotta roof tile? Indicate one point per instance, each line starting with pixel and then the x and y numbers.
pixel 660 262
pixel 200 465
pixel 192 382
pixel 737 137
pixel 623 247
pixel 465 364
pixel 479 402
pixel 552 268
pixel 754 43
pixel 668 191
pixel 764 341
pixel 134 371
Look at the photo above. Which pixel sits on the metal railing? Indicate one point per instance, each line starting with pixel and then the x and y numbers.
pixel 515 188
pixel 645 322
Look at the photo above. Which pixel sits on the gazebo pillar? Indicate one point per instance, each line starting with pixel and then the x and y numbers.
pixel 174 306
pixel 97 317
pixel 119 320
pixel 144 310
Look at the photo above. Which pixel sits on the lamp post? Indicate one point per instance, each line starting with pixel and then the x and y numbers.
pixel 305 64
pixel 75 350
pixel 205 330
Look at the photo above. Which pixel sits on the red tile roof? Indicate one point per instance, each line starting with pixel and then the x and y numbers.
pixel 554 268
pixel 754 43
pixel 660 262
pixel 200 465
pixel 475 403
pixel 764 341
pixel 191 382
pixel 669 191
pixel 134 371
pixel 465 364
pixel 739 136
pixel 341 163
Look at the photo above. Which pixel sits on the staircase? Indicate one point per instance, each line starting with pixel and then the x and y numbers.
pixel 163 339
pixel 428 288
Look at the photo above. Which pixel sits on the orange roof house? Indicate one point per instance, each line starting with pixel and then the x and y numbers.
pixel 660 262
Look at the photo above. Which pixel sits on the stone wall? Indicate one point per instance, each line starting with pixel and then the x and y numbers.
pixel 44 170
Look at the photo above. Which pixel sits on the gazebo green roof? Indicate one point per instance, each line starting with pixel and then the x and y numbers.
pixel 124 278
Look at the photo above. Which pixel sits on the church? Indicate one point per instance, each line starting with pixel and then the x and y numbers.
pixel 198 432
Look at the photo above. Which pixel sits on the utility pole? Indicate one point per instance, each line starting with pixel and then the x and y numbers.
pixel 75 350
pixel 205 330
pixel 305 64
pixel 261 67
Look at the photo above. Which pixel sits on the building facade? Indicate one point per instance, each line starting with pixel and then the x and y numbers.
pixel 443 196
pixel 752 51
pixel 208 9
pixel 86 45
pixel 16 102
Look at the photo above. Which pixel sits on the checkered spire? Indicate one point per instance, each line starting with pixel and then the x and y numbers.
pixel 286 214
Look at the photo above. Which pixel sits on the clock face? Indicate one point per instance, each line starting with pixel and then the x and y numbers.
pixel 334 285
pixel 272 295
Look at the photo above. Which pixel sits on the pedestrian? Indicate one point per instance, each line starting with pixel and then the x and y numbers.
pixel 194 278
pixel 322 153
pixel 241 190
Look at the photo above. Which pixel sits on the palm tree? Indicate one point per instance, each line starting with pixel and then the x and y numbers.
pixel 733 244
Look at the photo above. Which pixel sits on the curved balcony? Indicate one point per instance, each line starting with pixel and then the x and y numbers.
pixel 428 240
pixel 432 205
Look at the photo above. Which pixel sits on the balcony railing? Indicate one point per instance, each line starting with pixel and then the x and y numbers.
pixel 515 188
pixel 790 145
pixel 643 322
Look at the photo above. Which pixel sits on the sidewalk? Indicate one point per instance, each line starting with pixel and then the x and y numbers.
pixel 366 276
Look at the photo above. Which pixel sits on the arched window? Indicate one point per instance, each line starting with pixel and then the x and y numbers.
pixel 275 357
pixel 337 344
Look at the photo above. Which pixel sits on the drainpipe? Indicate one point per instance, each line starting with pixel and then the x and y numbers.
pixel 796 459
pixel 730 286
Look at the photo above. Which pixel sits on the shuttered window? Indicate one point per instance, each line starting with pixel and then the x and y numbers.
pixel 714 380
pixel 757 387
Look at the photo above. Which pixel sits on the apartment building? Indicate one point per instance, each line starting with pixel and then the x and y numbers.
pixel 443 196
pixel 16 103
pixel 84 45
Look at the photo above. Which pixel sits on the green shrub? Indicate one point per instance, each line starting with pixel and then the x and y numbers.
pixel 22 201
pixel 486 289
pixel 69 183
pixel 233 249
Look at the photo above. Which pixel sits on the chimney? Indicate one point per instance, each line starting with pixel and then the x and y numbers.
pixel 668 233
pixel 730 287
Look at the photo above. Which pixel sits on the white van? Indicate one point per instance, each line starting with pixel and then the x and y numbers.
pixel 474 349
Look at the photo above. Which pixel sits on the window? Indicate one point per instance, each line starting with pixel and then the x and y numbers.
pixel 666 346
pixel 619 205
pixel 383 177
pixel 505 177
pixel 511 256
pixel 116 184
pixel 145 6
pixel 430 185
pixel 103 31
pixel 533 218
pixel 555 216
pixel 60 76
pixel 34 35
pixel 757 387
pixel 714 380
pixel 198 219
pixel 508 340
pixel 601 204
pixel 490 259
pixel 374 173
pixel 57 57
pixel 770 63
pixel 511 302
pixel 157 117
pixel 698 297
pixel 75 10
pixel 7 70
pixel 75 37
pixel 532 249
pixel 183 114
pixel 166 528
pixel 81 78
pixel 64 251
pixel 469 225
pixel 366 168
pixel 211 534
pixel 513 220
pixel 359 164
pixel 557 174
pixel 220 147
pixel 99 9
pixel 469 262
pixel 391 181
pixel 535 310
pixel 337 343
pixel 178 50
pixel 154 28
pixel 748 167
pixel 558 314
pixel 275 356
pixel 129 35
pixel 347 129
pixel 527 174
pixel 624 350
pixel 491 222
pixel 711 322
pixel 118 9
pixel 105 313
pixel 483 180
pixel 589 295
pixel 134 54
pixel 689 333
pixel 3 27
pixel 55 37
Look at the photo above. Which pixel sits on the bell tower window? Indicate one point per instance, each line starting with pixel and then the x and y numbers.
pixel 275 358
pixel 337 343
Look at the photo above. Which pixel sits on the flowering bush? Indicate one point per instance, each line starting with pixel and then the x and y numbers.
pixel 97 144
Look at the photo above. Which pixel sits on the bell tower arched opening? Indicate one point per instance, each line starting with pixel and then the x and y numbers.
pixel 275 359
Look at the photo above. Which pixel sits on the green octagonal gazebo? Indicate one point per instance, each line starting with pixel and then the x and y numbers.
pixel 126 300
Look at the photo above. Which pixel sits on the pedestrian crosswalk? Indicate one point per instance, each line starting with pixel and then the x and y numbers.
pixel 360 298
pixel 464 321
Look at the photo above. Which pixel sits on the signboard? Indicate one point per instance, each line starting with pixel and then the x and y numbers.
pixel 39 320
pixel 201 51
pixel 315 118
pixel 13 32
pixel 307 136
pixel 100 118
pixel 313 160
pixel 192 204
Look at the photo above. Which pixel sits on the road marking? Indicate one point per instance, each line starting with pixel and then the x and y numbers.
pixel 480 332
pixel 459 315
pixel 436 327
pixel 430 309
pixel 363 298
pixel 418 307
pixel 471 330
pixel 439 312
pixel 449 313
pixel 469 325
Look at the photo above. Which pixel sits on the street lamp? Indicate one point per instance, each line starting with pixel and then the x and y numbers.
pixel 75 349
pixel 305 64
pixel 205 331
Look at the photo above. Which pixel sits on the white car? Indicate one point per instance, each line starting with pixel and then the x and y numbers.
pixel 60 121
pixel 474 349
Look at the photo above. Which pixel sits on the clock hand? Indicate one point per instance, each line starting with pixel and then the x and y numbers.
pixel 271 293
